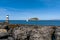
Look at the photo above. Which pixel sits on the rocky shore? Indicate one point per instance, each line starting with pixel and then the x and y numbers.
pixel 29 32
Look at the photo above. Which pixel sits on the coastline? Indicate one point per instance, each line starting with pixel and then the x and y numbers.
pixel 29 32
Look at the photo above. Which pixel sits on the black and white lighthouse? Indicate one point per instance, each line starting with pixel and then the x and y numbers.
pixel 7 18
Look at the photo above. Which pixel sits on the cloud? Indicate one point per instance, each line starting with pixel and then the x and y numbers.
pixel 15 14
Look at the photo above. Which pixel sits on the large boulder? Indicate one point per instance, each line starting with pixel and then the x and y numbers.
pixel 3 33
pixel 43 33
pixel 19 33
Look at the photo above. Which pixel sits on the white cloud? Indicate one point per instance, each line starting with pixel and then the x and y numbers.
pixel 13 13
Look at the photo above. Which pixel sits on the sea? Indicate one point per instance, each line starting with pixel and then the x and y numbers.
pixel 40 22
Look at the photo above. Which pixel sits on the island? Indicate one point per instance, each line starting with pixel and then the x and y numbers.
pixel 33 19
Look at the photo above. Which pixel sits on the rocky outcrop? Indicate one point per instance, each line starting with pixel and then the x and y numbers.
pixel 43 33
pixel 57 33
pixel 30 32
pixel 20 33
pixel 33 33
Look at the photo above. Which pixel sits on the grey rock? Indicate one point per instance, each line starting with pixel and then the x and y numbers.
pixel 10 38
pixel 57 33
pixel 41 34
pixel 3 39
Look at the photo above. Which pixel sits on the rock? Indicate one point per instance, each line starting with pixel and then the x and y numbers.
pixel 3 33
pixel 30 33
pixel 3 30
pixel 3 39
pixel 43 33
pixel 10 38
pixel 57 33
pixel 19 33
pixel 33 33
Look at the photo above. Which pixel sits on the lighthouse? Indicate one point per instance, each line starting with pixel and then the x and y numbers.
pixel 7 18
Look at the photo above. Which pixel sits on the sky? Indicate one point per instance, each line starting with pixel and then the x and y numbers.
pixel 25 9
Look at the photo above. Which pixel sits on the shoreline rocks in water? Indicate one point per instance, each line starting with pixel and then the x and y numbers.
pixel 29 32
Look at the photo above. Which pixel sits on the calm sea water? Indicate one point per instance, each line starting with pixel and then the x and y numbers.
pixel 41 22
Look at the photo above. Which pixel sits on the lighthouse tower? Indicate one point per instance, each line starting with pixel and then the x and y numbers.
pixel 7 18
